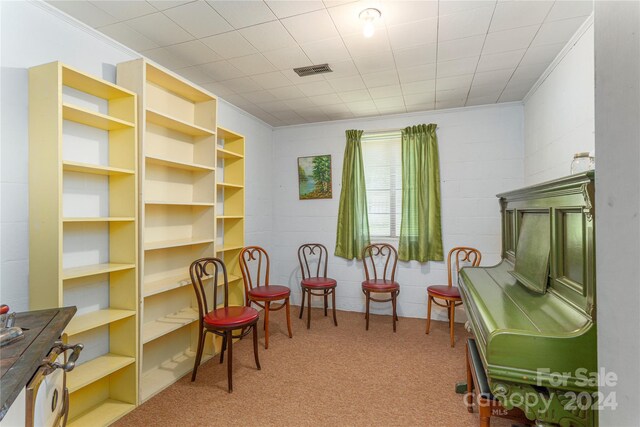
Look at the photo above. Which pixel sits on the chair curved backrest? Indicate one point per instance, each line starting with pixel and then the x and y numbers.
pixel 464 257
pixel 385 256
pixel 311 254
pixel 205 269
pixel 254 264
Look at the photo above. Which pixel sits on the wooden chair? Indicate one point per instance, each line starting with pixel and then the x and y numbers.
pixel 308 255
pixel 221 321
pixel 450 294
pixel 387 256
pixel 257 287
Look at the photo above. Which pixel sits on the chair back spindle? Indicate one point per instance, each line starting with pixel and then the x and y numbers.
pixel 380 256
pixel 464 257
pixel 205 269
pixel 254 265
pixel 310 255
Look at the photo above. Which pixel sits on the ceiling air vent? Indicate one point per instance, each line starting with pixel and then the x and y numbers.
pixel 313 69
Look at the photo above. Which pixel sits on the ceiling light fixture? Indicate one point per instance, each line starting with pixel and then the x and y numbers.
pixel 368 16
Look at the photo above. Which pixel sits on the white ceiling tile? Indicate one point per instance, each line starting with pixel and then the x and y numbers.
pixel 122 33
pixel 326 50
pixel 466 23
pixel 414 56
pixel 450 103
pixel 243 13
pixel 125 9
pixel 311 27
pixel 414 74
pixel 296 79
pixel 541 54
pixel 275 106
pixel 346 19
pixel 283 8
pixel 413 33
pixel 504 41
pixel 525 73
pixel 196 75
pixel 164 58
pixel 453 6
pixel 288 58
pixel 454 83
pixel 252 64
pixel 362 107
pixel 268 36
pixel 480 91
pixel 515 14
pixel 385 91
pixel 495 77
pixel 457 67
pixel 498 61
pixel 420 99
pixel 570 9
pixel 361 46
pixel 271 80
pixel 421 86
pixel 557 31
pixel 379 62
pixel 515 92
pixel 482 100
pixel 299 103
pixel 193 52
pixel 242 85
pixel 399 12
pixel 316 88
pixel 381 78
pixel 347 83
pixel 460 48
pixel 326 99
pixel 395 101
pixel 287 92
pixel 160 29
pixel 286 114
pixel 218 89
pixel 229 45
pixel 259 96
pixel 199 19
pixel 168 4
pixel 221 70
pixel 85 12
pixel 392 110
pixel 342 69
pixel 355 95
pixel 334 110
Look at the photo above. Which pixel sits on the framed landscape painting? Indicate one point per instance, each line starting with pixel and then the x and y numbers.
pixel 314 177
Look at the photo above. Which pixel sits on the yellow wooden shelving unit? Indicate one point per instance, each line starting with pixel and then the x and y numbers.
pixel 230 213
pixel 177 215
pixel 67 107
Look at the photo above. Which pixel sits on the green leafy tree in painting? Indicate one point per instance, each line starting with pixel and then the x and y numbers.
pixel 322 174
pixel 302 175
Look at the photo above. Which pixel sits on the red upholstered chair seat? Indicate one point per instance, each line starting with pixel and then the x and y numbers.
pixel 231 317
pixel 271 291
pixel 319 282
pixel 444 291
pixel 379 285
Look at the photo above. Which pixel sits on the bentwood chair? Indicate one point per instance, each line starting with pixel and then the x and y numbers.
pixel 221 321
pixel 254 264
pixel 311 254
pixel 380 261
pixel 449 295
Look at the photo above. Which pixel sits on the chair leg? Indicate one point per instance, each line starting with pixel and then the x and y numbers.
pixel 393 303
pixel 288 309
pixel 333 305
pixel 326 302
pixel 230 360
pixel 309 309
pixel 255 344
pixel 198 355
pixel 452 321
pixel 266 325
pixel 224 347
pixel 302 303
pixel 429 298
pixel 368 294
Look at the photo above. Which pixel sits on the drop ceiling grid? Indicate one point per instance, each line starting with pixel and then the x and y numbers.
pixel 424 55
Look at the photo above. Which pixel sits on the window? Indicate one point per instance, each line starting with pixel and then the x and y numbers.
pixel 382 159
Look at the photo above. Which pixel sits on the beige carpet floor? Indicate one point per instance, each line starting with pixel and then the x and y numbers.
pixel 326 376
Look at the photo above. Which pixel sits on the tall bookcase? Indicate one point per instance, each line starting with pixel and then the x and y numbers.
pixel 83 230
pixel 177 215
pixel 230 212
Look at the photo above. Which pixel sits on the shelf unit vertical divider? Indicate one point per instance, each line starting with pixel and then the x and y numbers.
pixel 177 136
pixel 105 387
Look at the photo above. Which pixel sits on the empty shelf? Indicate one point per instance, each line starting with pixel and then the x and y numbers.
pixel 229 248
pixel 107 411
pixel 100 219
pixel 227 154
pixel 93 118
pixel 166 284
pixel 165 244
pixel 229 185
pixel 95 369
pixel 92 270
pixel 179 165
pixel 158 378
pixel 95 169
pixel 178 125
pixel 96 319
pixel 170 203
pixel 169 323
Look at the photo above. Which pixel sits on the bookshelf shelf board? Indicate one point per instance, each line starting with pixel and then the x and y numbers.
pixel 92 270
pixel 178 125
pixel 95 169
pixel 162 326
pixel 96 319
pixel 100 219
pixel 107 411
pixel 95 369
pixel 93 118
pixel 166 244
pixel 179 165
pixel 227 154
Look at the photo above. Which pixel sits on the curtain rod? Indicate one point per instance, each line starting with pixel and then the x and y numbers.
pixel 383 130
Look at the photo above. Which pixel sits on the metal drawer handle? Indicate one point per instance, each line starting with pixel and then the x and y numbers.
pixel 71 363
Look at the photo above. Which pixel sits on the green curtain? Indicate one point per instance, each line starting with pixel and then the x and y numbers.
pixel 420 230
pixel 353 220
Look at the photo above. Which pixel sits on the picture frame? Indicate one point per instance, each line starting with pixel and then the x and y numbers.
pixel 315 177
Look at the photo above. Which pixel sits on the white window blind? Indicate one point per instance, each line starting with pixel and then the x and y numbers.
pixel 383 178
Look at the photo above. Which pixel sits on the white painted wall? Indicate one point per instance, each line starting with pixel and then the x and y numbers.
pixel 481 154
pixel 617 107
pixel 559 113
